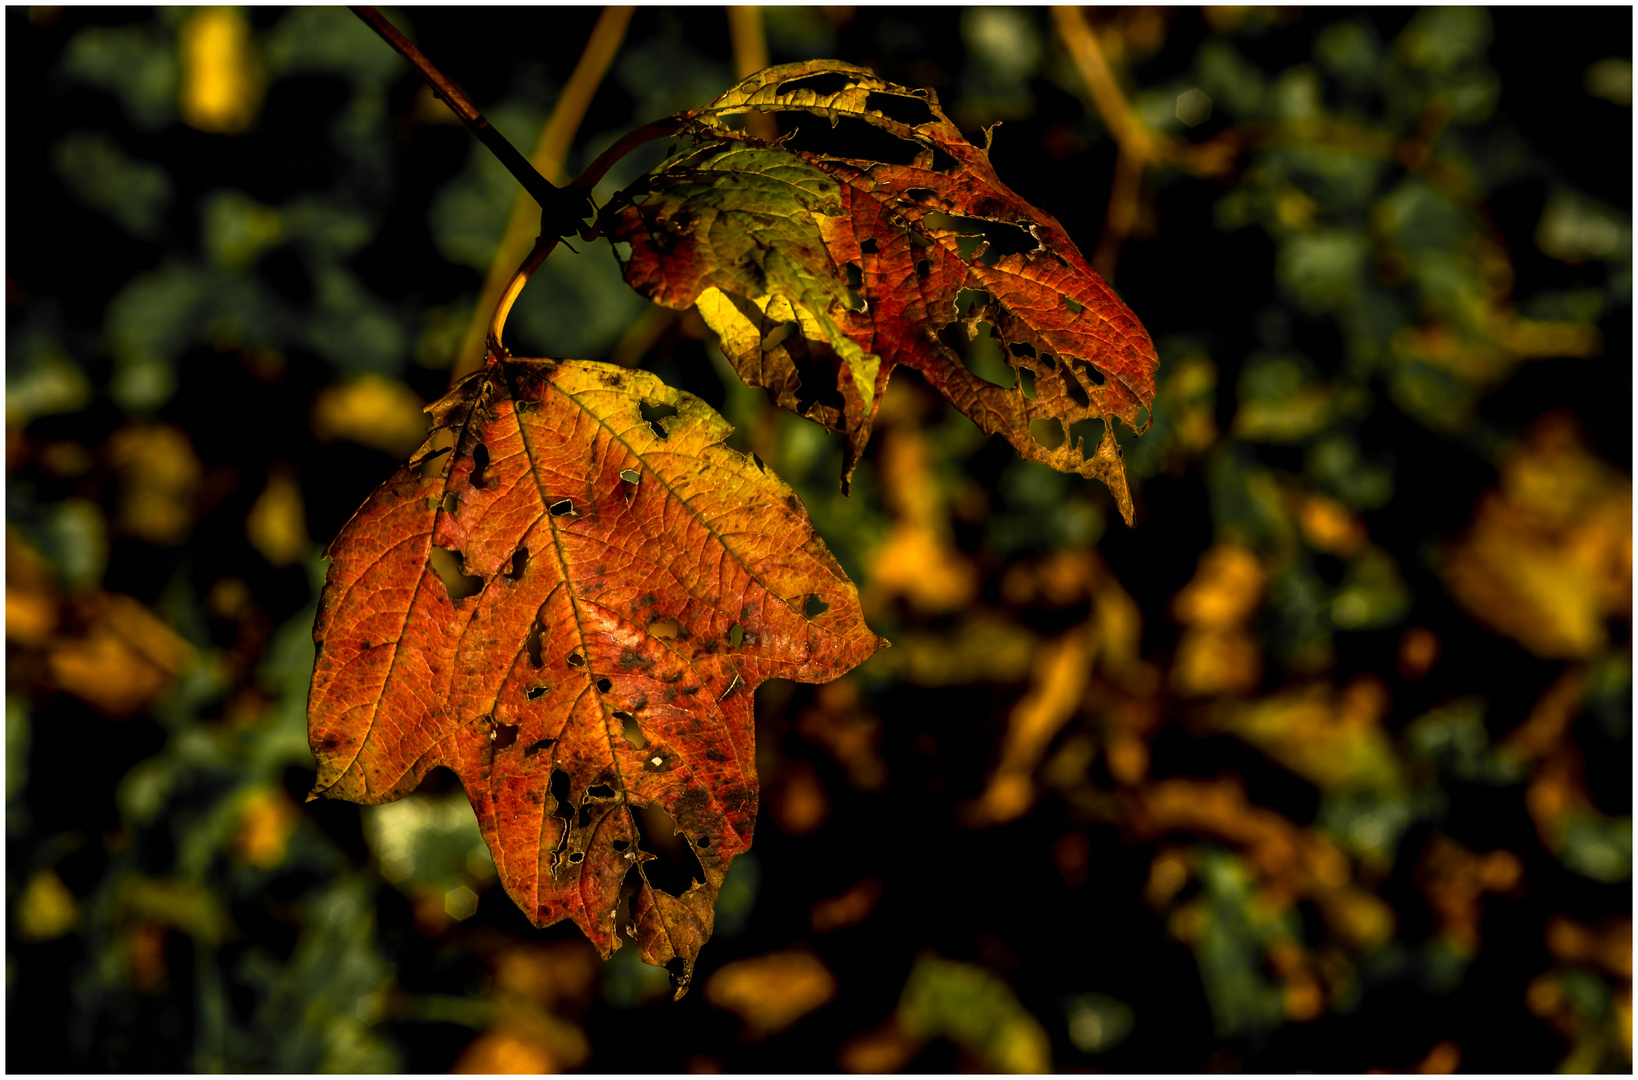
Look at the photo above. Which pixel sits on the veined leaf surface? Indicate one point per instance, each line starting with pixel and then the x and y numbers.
pixel 821 270
pixel 637 580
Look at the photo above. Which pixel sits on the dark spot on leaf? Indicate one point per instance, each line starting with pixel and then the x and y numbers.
pixel 480 463
pixel 604 686
pixel 655 413
pixel 815 606
pixel 505 735
pixel 536 747
pixel 794 503
pixel 677 968
pixel 1048 432
pixel 823 83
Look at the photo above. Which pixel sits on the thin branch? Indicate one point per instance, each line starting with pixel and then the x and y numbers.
pixel 750 44
pixel 558 206
pixel 550 151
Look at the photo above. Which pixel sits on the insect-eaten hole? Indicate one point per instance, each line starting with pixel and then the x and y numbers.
pixel 923 268
pixel 736 635
pixel 919 194
pixel 577 856
pixel 1049 362
pixel 604 685
pixel 906 110
pixel 665 628
pixel 823 83
pixel 778 335
pixel 575 660
pixel 537 746
pixel 816 384
pixel 632 731
pixel 850 137
pixel 450 502
pixel 1073 387
pixel 449 566
pixel 1087 434
pixel 1001 237
pixel 559 787
pixel 480 465
pixel 1048 432
pixel 620 845
pixel 520 559
pixel 967 299
pixel 868 245
pixel 531 644
pixel 855 275
pixel 630 476
pixel 1026 382
pixel 675 867
pixel 600 791
pixel 814 606
pixel 563 508
pixel 622 250
pixel 1075 306
pixel 1021 348
pixel 534 693
pixel 505 736
pixel 655 413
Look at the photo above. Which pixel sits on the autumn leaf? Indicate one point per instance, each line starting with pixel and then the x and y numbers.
pixel 872 235
pixel 628 583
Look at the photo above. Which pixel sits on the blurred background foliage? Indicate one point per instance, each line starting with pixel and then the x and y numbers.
pixel 1324 765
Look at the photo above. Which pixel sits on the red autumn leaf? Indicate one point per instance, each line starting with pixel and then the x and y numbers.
pixel 821 269
pixel 637 581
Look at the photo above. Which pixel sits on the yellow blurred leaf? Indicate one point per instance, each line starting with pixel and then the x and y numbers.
pixel 507 1051
pixel 157 475
pixel 771 992
pixel 277 523
pixel 267 818
pixel 847 909
pixel 1226 588
pixel 222 77
pixel 374 410
pixel 918 561
pixel 978 1011
pixel 46 909
pixel 124 657
pixel 1332 738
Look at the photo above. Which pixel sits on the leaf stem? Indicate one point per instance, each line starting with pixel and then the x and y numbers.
pixel 560 207
pixel 550 151
pixel 543 247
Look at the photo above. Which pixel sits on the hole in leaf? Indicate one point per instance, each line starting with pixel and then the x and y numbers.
pixel 850 138
pixel 655 413
pixel 480 463
pixel 1003 238
pixel 816 384
pixel 674 867
pixel 823 83
pixel 923 268
pixel 855 302
pixel 704 841
pixel 815 606
pixel 622 250
pixel 920 194
pixel 537 746
pixel 1075 306
pixel 632 730
pixel 868 245
pixel 620 845
pixel 531 644
pixel 505 735
pixel 665 628
pixel 450 502
pixel 906 110
pixel 600 791
pixel 559 787
pixel 1091 375
pixel 777 336
pixel 1086 434
pixel 448 565
pixel 520 559
pixel 855 276
pixel 604 686
pixel 562 508
pixel 1076 392
pixel 577 856
pixel 1022 348
pixel 943 160
pixel 534 692
pixel 1048 432
pixel 1026 382
pixel 1049 362
pixel 736 635
pixel 630 476
pixel 575 660
pixel 966 299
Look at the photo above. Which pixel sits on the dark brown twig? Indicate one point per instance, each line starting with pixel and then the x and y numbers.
pixel 561 210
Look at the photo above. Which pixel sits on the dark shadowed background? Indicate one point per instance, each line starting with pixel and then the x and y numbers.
pixel 1324 765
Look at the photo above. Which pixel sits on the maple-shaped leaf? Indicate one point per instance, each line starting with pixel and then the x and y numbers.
pixel 871 235
pixel 637 581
